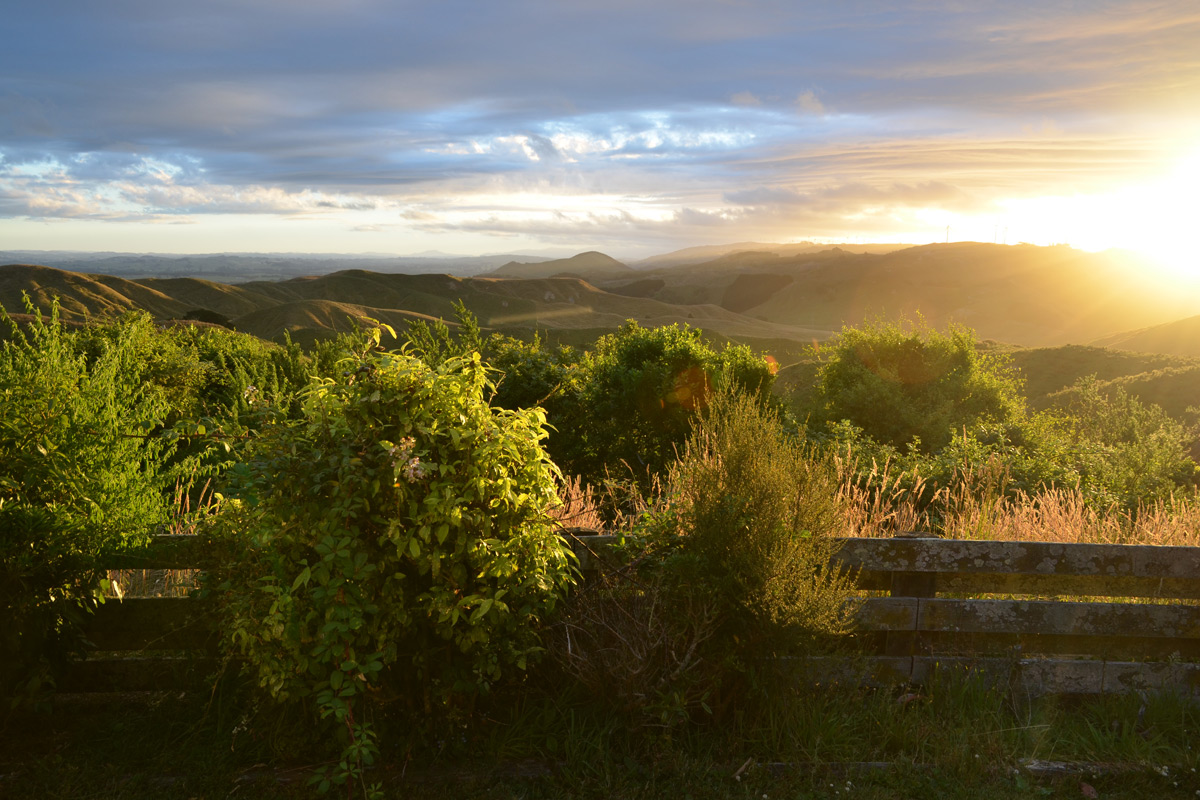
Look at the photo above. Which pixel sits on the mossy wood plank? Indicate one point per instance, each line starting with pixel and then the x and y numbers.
pixel 1024 558
pixel 1042 585
pixel 152 623
pixel 888 614
pixel 1030 676
pixel 1059 617
pixel 1124 648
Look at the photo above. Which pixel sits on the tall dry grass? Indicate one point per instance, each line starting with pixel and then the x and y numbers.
pixel 980 506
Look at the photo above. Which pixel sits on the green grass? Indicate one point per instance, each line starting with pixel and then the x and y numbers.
pixel 955 739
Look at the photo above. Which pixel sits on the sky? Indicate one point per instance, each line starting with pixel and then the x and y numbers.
pixel 556 126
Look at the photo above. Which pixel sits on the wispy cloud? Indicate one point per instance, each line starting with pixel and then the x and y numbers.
pixel 696 117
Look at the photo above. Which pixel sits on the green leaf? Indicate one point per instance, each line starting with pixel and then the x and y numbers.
pixel 302 579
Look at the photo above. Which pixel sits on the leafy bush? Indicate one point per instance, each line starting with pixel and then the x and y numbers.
pixel 79 478
pixel 641 388
pixel 1130 452
pixel 393 546
pixel 906 383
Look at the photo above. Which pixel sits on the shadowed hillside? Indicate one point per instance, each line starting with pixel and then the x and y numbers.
pixel 314 307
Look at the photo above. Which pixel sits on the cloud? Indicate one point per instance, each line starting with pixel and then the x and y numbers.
pixel 807 102
pixel 739 112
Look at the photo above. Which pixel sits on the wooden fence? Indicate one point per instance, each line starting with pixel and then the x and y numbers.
pixel 1044 616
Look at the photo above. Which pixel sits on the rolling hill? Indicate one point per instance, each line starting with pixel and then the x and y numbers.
pixel 1033 296
pixel 1180 338
pixel 312 307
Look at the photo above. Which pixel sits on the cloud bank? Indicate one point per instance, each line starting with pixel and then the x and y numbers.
pixel 562 123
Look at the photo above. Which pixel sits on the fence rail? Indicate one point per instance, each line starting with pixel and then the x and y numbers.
pixel 1053 617
pixel 1038 626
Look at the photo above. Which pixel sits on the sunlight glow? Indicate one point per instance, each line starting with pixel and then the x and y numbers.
pixel 1156 218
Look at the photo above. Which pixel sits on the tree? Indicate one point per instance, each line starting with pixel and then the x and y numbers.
pixel 903 383
pixel 642 388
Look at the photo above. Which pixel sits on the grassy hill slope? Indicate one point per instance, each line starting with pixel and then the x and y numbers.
pixel 1180 338
pixel 1033 296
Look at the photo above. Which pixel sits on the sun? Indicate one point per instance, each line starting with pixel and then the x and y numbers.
pixel 1167 217
pixel 1158 218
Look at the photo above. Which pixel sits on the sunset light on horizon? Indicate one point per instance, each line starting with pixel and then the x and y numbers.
pixel 550 128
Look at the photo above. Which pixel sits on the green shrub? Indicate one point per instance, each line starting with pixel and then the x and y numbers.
pixel 728 573
pixel 906 383
pixel 759 512
pixel 1129 452
pixel 641 388
pixel 80 478
pixel 393 547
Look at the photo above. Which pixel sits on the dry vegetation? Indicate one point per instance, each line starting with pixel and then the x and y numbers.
pixel 979 508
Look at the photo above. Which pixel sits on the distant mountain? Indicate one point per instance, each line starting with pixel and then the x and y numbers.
pixel 703 253
pixel 1027 295
pixel 588 266
pixel 1181 338
pixel 311 307
pixel 236 267
pixel 1020 295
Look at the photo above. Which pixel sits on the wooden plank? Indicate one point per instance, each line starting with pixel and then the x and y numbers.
pixel 1024 558
pixel 167 551
pixel 1121 677
pixel 1126 648
pixel 1035 568
pixel 152 623
pixel 870 671
pixel 1032 677
pixel 1069 585
pixel 1054 617
pixel 888 614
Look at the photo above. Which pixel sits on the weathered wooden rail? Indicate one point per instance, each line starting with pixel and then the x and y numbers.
pixel 142 643
pixel 1047 617
pixel 1044 616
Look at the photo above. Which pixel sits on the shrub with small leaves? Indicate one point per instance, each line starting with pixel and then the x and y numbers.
pixel 393 547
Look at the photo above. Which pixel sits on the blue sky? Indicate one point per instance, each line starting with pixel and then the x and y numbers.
pixel 634 128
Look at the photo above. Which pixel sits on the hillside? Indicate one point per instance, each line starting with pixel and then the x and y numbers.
pixel 1033 296
pixel 589 266
pixel 1180 338
pixel 780 300
pixel 312 307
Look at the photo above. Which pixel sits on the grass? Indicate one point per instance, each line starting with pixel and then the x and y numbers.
pixel 956 739
pixel 978 508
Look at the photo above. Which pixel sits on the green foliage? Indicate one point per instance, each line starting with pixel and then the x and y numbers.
pixel 641 388
pixel 532 374
pixel 80 476
pixel 1130 452
pixel 433 342
pixel 906 383
pixel 728 573
pixel 393 548
pixel 759 512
